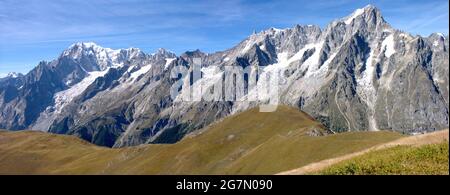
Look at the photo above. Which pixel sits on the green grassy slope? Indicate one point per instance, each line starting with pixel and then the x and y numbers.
pixel 247 143
pixel 428 159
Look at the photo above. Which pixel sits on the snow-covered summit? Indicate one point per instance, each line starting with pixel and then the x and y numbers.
pixel 162 54
pixel 362 12
pixel 104 57
pixel 11 75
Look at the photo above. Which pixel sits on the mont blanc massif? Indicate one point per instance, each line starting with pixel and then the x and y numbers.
pixel 357 74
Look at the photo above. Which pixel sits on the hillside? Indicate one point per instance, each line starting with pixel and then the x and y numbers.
pixel 408 155
pixel 247 143
pixel 429 159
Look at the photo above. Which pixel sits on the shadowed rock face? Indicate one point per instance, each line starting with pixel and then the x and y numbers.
pixel 358 73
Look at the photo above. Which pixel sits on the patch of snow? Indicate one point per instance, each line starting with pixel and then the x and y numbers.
pixel 168 62
pixel 130 69
pixel 89 44
pixel 435 43
pixel 312 63
pixel 284 61
pixel 403 35
pixel 262 47
pixel 355 14
pixel 275 69
pixel 276 30
pixel 328 61
pixel 13 74
pixel 248 45
pixel 315 77
pixel 388 45
pixel 9 75
pixel 140 72
pixel 62 98
pixel 226 59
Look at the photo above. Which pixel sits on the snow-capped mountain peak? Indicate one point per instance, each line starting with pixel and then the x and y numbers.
pixel 103 57
pixel 85 44
pixel 355 14
pixel 368 13
pixel 162 54
pixel 11 75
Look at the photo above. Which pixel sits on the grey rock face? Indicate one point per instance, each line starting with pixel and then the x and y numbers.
pixel 358 73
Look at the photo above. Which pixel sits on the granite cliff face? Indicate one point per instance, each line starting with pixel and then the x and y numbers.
pixel 358 73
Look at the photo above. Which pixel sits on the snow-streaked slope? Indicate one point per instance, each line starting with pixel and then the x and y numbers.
pixel 168 62
pixel 365 88
pixel 63 98
pixel 355 14
pixel 66 96
pixel 141 71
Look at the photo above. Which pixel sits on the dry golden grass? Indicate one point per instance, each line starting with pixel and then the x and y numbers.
pixel 418 140
pixel 431 159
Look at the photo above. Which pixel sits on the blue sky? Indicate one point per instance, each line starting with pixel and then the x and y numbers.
pixel 35 30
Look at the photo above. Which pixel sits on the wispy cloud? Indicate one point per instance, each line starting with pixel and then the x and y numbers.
pixel 422 23
pixel 422 17
pixel 57 19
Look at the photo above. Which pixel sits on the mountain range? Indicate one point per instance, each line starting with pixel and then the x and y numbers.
pixel 356 74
